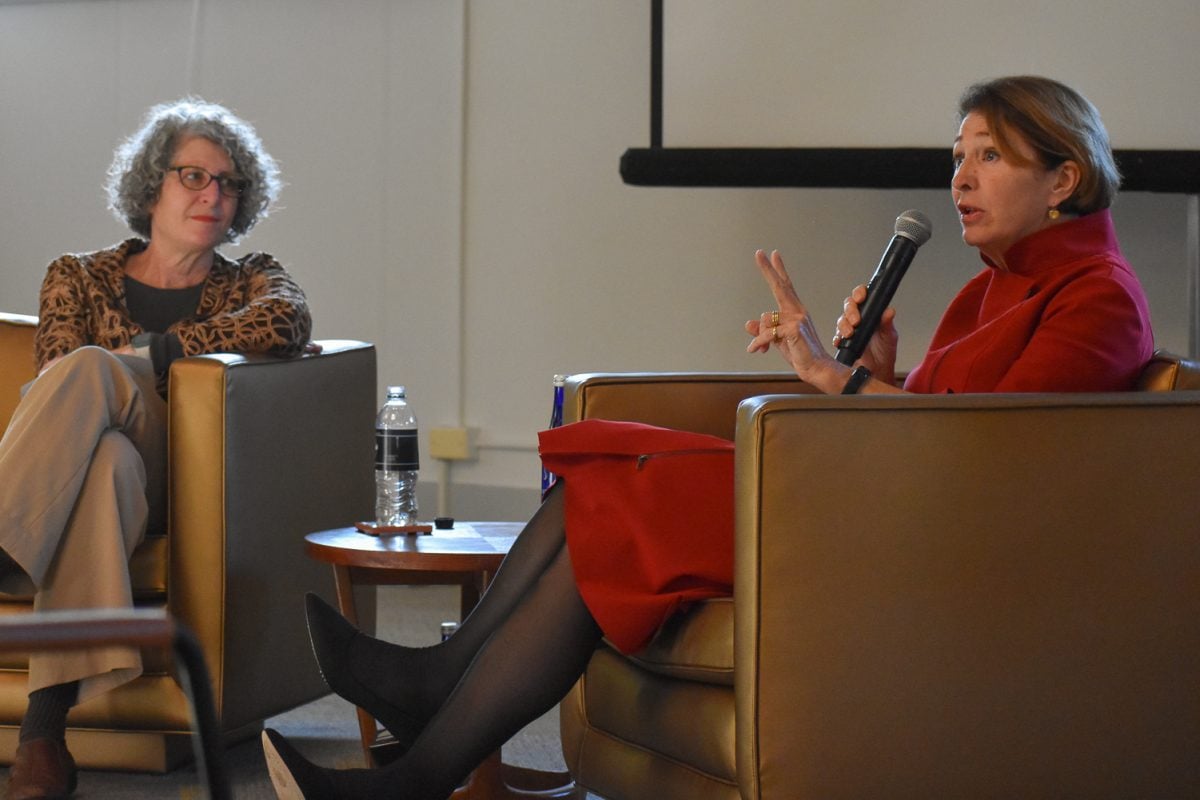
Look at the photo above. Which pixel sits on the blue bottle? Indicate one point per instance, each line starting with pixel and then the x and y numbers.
pixel 556 412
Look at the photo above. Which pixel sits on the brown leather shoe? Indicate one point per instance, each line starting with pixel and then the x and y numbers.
pixel 42 770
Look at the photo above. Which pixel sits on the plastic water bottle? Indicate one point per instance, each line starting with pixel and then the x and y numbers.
pixel 556 412
pixel 396 461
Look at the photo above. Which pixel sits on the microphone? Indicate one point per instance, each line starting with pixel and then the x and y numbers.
pixel 913 229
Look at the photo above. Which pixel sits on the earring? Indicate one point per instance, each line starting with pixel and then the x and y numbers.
pixel 1053 214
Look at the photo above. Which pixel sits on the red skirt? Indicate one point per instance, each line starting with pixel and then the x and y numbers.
pixel 649 520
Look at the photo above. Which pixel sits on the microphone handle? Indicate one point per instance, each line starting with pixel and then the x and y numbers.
pixel 880 291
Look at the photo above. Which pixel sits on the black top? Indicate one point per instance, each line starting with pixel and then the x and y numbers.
pixel 156 310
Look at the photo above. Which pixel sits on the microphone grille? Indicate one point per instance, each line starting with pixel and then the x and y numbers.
pixel 915 226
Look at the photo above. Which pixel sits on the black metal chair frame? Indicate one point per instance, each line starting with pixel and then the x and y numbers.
pixel 69 630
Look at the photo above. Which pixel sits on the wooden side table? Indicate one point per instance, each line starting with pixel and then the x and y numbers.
pixel 466 556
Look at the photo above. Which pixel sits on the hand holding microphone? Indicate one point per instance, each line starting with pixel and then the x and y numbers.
pixel 912 230
pixel 791 330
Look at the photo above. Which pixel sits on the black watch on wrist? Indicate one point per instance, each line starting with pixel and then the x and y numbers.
pixel 857 378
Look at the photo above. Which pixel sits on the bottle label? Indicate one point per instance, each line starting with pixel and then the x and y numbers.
pixel 396 450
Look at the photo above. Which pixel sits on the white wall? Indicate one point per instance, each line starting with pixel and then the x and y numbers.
pixel 905 65
pixel 454 196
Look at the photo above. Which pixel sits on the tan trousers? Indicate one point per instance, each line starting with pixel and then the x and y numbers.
pixel 82 472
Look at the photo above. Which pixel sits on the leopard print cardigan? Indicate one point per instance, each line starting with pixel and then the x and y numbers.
pixel 250 305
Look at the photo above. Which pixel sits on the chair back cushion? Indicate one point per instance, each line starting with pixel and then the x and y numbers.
pixel 687 401
pixel 1168 372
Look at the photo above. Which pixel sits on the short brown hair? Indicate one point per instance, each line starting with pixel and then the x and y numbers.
pixel 1060 125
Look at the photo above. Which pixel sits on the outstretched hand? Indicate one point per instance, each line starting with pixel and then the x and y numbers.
pixel 793 332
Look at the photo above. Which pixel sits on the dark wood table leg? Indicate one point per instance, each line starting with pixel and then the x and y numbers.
pixel 343 584
pixel 469 592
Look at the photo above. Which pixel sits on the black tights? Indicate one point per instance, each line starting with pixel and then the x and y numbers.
pixel 513 658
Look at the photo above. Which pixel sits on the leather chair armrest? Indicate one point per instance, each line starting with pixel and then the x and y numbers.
pixel 967 595
pixel 263 451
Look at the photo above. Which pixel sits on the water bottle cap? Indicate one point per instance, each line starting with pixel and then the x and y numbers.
pixel 397 391
pixel 559 380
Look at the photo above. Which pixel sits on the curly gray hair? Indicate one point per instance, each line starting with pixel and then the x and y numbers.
pixel 141 161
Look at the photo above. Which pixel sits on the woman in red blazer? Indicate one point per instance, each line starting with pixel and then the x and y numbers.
pixel 1055 308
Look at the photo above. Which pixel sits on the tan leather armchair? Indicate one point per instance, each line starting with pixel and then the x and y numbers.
pixel 939 596
pixel 262 451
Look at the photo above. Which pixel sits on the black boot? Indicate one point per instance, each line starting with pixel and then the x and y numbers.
pixel 333 642
pixel 296 778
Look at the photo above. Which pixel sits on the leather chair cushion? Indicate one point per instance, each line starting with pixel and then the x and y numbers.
pixel 148 568
pixel 686 722
pixel 695 646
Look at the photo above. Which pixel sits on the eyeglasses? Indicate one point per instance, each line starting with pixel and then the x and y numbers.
pixel 198 178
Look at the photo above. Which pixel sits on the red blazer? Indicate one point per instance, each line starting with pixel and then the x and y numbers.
pixel 1068 315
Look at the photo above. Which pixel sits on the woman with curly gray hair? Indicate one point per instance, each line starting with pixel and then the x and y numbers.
pixel 142 160
pixel 82 463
